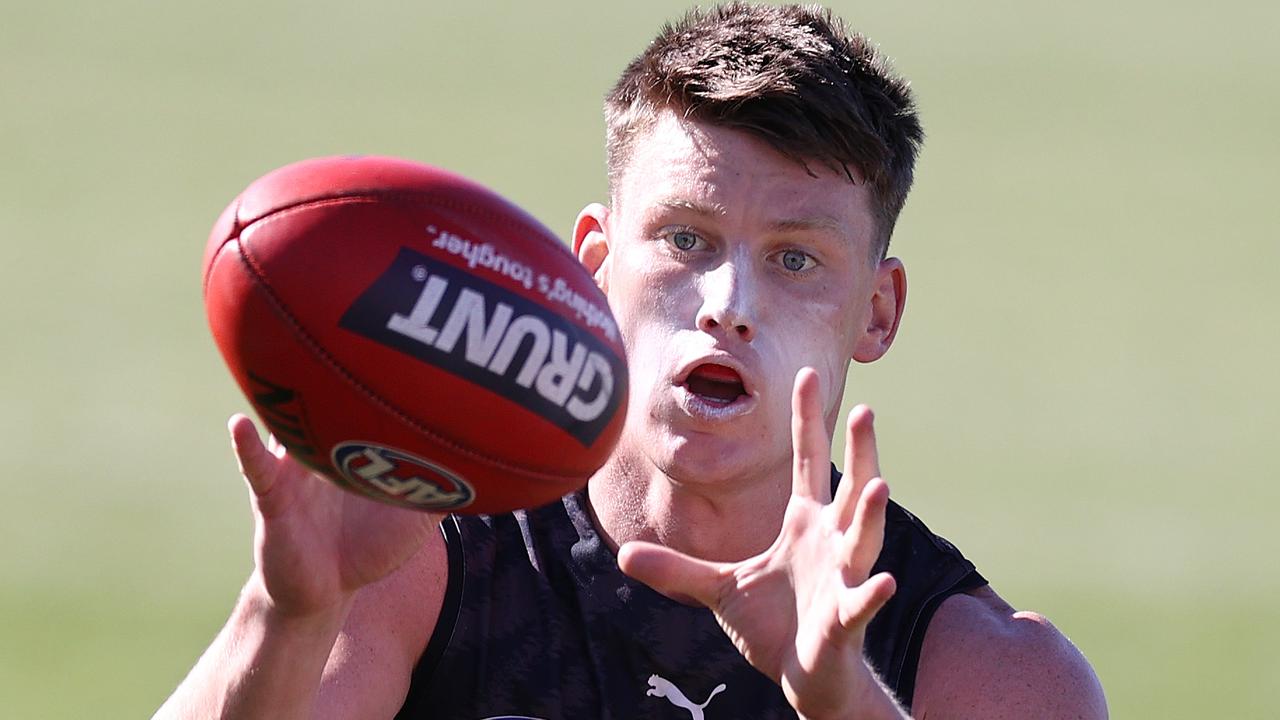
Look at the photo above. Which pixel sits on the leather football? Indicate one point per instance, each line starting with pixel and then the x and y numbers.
pixel 413 336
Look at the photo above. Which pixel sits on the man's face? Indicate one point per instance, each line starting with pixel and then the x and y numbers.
pixel 729 267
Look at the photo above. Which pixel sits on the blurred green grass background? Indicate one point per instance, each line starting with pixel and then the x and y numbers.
pixel 1083 396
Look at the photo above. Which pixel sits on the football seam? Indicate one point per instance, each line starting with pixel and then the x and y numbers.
pixel 324 356
pixel 526 227
pixel 233 235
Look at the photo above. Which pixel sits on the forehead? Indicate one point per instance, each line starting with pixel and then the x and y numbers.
pixel 679 163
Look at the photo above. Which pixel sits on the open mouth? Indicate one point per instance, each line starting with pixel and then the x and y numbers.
pixel 715 384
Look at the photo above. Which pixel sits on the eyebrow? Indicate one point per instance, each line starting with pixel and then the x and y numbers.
pixel 711 210
pixel 799 224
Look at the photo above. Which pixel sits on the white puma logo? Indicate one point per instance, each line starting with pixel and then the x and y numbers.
pixel 662 687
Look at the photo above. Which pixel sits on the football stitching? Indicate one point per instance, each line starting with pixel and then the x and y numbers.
pixel 259 277
pixel 234 234
pixel 527 226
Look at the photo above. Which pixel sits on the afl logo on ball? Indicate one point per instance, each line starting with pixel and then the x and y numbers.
pixel 402 478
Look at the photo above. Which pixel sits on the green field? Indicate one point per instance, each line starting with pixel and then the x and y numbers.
pixel 1083 396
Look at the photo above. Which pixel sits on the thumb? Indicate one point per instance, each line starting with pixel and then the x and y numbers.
pixel 257 464
pixel 678 576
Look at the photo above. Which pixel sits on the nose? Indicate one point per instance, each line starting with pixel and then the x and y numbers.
pixel 728 303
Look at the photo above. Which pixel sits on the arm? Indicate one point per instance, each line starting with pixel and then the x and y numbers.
pixel 983 659
pixel 343 597
pixel 798 612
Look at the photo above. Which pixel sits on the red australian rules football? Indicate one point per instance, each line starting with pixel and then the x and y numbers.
pixel 415 337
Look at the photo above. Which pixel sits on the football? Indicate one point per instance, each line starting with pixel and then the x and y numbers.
pixel 413 336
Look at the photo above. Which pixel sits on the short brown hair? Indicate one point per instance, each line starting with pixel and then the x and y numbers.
pixel 793 76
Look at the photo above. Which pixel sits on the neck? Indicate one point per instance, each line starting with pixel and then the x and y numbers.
pixel 725 520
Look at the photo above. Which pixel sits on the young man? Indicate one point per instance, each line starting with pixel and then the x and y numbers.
pixel 758 160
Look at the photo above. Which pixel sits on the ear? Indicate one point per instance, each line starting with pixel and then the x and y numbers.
pixel 590 243
pixel 887 304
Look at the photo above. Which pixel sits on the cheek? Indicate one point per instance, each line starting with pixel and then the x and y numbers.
pixel 816 333
pixel 646 297
pixel 820 319
pixel 644 305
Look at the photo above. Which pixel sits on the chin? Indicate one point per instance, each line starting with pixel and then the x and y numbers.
pixel 707 459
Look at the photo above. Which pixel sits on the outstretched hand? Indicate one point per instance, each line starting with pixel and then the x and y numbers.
pixel 799 611
pixel 315 544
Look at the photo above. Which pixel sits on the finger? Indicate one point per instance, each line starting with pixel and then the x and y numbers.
pixel 861 459
pixel 811 449
pixel 275 447
pixel 864 538
pixel 859 604
pixel 256 461
pixel 850 484
pixel 678 576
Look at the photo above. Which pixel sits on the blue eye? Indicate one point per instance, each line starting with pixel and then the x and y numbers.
pixel 795 261
pixel 684 240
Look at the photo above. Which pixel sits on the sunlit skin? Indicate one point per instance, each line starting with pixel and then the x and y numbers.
pixel 718 249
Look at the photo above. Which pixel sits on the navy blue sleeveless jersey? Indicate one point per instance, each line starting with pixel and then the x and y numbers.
pixel 539 622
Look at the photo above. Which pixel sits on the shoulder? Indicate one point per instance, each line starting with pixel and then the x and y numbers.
pixel 983 659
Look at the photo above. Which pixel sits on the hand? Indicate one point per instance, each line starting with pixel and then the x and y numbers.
pixel 315 544
pixel 799 610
